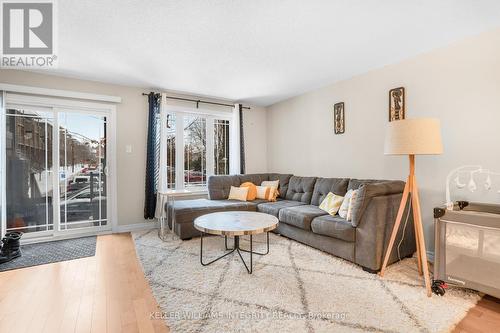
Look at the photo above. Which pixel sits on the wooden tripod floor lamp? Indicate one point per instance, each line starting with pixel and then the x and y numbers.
pixel 418 136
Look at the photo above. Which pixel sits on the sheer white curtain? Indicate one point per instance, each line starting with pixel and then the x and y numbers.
pixel 162 179
pixel 235 144
pixel 162 186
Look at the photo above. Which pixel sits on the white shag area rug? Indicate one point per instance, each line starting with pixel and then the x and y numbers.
pixel 294 288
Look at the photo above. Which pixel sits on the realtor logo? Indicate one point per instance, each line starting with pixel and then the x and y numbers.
pixel 28 34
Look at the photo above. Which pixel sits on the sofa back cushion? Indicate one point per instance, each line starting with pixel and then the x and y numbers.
pixel 219 186
pixel 324 186
pixel 283 185
pixel 370 190
pixel 355 184
pixel 300 189
pixel 255 178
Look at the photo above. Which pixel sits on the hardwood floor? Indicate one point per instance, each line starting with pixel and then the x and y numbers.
pixel 105 293
pixel 108 293
pixel 483 318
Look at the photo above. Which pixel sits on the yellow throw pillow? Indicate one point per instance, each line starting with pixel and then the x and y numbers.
pixel 331 203
pixel 252 190
pixel 238 193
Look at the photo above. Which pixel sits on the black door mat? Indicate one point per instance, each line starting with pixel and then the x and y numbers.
pixel 49 252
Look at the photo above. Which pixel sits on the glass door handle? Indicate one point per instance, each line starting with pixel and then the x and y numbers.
pixel 106 171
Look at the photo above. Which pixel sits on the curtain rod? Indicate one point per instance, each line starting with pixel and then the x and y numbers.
pixel 197 101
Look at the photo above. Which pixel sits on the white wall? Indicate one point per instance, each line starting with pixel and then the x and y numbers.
pixel 132 130
pixel 459 84
pixel 255 132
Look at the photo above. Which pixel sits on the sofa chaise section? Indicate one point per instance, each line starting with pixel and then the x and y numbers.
pixel 183 212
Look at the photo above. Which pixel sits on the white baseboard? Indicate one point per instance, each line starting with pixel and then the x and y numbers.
pixel 83 233
pixel 136 227
pixel 50 238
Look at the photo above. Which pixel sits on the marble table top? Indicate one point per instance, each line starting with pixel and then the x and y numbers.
pixel 236 223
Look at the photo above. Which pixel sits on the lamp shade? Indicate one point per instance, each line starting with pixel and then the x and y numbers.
pixel 417 136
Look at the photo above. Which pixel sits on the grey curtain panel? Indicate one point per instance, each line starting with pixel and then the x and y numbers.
pixel 152 155
pixel 242 141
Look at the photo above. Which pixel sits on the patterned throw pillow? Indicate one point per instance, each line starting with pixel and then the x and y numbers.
pixel 238 193
pixel 331 203
pixel 352 202
pixel 252 190
pixel 266 193
pixel 345 204
pixel 263 192
pixel 273 184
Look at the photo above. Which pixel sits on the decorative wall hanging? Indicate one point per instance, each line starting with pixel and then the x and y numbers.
pixel 338 118
pixel 397 106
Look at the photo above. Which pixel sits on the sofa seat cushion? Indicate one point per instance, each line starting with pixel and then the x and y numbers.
pixel 334 226
pixel 259 201
pixel 185 211
pixel 274 208
pixel 300 216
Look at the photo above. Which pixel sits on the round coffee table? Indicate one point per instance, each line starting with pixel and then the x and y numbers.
pixel 235 224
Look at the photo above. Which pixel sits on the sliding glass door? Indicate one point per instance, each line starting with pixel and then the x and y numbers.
pixel 28 169
pixel 54 169
pixel 82 170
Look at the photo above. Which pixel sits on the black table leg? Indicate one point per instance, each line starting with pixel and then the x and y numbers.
pixel 236 248
pixel 260 254
pixel 225 244
pixel 214 260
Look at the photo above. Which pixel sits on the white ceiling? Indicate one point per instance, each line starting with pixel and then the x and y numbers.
pixel 259 51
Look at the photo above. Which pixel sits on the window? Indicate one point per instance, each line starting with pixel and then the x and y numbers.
pixel 195 151
pixel 197 146
pixel 221 147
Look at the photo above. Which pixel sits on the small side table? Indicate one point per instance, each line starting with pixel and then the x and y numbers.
pixel 172 196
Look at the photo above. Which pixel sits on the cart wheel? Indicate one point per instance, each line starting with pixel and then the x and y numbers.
pixel 439 287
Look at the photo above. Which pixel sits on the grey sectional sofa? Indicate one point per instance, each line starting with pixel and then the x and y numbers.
pixel 362 240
